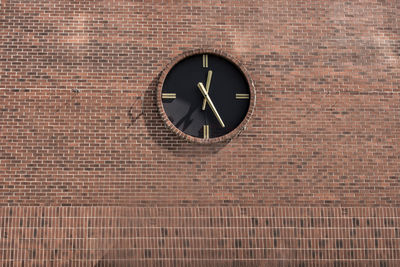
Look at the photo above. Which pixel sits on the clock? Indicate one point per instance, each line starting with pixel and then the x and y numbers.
pixel 205 96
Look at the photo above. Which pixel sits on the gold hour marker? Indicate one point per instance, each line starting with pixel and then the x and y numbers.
pixel 168 95
pixel 242 96
pixel 206 131
pixel 205 61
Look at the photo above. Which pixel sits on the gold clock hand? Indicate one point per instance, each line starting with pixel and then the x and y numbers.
pixel 207 88
pixel 208 99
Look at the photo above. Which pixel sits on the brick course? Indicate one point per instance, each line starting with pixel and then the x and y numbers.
pixel 79 124
pixel 199 236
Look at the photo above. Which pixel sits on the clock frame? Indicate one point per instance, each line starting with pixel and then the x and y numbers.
pixel 162 96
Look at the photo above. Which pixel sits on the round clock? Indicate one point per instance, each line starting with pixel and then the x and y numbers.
pixel 205 96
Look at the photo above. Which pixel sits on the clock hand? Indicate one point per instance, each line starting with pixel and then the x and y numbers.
pixel 207 88
pixel 210 103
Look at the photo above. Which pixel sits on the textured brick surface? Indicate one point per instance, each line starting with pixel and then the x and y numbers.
pixel 80 123
pixel 200 236
pixel 79 126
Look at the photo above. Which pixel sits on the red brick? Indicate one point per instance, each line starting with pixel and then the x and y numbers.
pixel 84 150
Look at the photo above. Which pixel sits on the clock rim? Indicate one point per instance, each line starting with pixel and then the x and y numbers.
pixel 235 132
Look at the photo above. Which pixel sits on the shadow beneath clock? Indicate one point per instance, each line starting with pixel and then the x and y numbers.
pixel 163 136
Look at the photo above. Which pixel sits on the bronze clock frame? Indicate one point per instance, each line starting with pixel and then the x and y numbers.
pixel 236 131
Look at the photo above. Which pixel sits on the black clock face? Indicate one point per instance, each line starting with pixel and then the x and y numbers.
pixel 205 96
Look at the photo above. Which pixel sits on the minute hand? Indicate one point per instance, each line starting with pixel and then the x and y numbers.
pixel 209 75
pixel 210 103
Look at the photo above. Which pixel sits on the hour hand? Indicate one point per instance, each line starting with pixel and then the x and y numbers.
pixel 210 103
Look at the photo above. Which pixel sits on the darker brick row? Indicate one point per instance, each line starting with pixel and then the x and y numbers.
pixel 105 234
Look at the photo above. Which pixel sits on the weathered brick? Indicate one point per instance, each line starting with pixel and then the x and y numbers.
pixel 81 135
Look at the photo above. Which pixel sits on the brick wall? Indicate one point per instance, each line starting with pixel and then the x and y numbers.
pixel 81 136
pixel 199 236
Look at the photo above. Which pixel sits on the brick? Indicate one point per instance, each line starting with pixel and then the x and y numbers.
pixel 89 174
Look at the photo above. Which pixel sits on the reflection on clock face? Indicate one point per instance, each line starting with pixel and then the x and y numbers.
pixel 205 96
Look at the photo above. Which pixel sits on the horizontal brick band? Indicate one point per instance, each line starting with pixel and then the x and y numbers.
pixel 198 235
